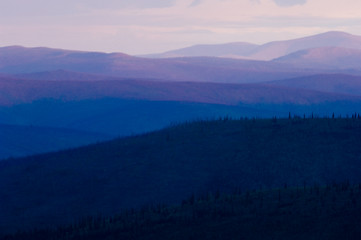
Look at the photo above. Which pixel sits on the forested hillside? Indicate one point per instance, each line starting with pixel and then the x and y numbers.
pixel 168 165
pixel 329 212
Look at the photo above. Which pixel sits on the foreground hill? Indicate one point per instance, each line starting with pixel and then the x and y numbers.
pixel 324 213
pixel 168 165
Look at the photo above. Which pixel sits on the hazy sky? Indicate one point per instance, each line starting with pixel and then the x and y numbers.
pixel 148 26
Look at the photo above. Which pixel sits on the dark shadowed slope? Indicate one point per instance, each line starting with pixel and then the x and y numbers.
pixel 269 50
pixel 18 141
pixel 325 58
pixel 169 165
pixel 333 83
pixel 297 213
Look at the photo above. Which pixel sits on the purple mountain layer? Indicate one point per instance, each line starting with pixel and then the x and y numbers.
pixel 332 83
pixel 19 60
pixel 15 91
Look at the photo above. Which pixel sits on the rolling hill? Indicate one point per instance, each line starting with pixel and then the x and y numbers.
pixel 18 91
pixel 167 166
pixel 120 117
pixel 64 75
pixel 49 125
pixel 332 83
pixel 119 107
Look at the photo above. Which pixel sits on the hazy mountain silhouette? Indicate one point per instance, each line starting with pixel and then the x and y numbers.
pixel 277 49
pixel 325 58
pixel 236 49
pixel 271 50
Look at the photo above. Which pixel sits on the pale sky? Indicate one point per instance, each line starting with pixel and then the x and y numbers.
pixel 151 26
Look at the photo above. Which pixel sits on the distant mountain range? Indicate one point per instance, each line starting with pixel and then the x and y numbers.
pixel 269 50
pixel 319 74
pixel 24 61
pixel 323 53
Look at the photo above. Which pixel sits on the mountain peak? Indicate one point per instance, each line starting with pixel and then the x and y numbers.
pixel 333 36
pixel 335 33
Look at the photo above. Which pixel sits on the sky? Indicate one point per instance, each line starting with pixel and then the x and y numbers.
pixel 150 26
